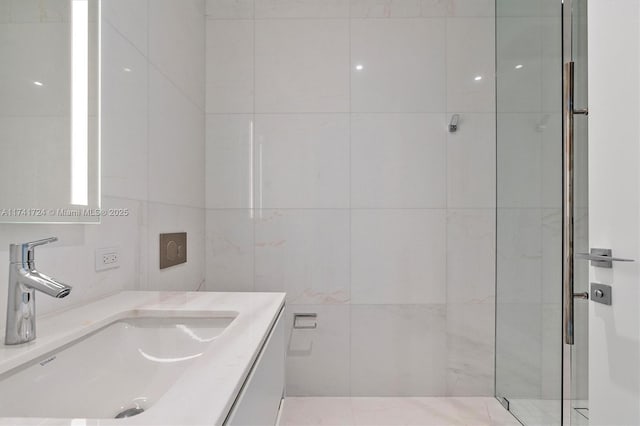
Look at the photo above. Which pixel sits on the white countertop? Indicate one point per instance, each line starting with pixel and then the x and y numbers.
pixel 203 395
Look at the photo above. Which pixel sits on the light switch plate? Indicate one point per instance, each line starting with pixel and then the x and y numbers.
pixel 173 249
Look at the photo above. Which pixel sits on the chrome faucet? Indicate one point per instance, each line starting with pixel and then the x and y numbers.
pixel 23 281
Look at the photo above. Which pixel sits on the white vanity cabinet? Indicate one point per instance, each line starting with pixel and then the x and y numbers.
pixel 259 399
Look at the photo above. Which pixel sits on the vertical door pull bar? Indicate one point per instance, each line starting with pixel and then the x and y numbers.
pixel 567 204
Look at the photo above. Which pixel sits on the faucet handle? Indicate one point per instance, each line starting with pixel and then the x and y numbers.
pixel 28 249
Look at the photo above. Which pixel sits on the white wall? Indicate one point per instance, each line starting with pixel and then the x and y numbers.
pixel 342 187
pixel 152 154
pixel 614 209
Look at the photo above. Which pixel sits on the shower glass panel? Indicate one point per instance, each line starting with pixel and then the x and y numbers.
pixel 529 344
pixel 578 354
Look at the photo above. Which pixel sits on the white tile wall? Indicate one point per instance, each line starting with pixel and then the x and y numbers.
pixel 230 9
pixel 471 163
pixel 386 8
pixel 398 256
pixel 230 70
pixel 124 117
pixel 177 44
pixel 130 18
pixel 229 250
pixel 398 160
pixel 318 360
pixel 470 348
pixel 270 9
pixel 398 65
pixel 302 161
pixel 331 176
pixel 176 145
pixel 39 11
pixel 301 65
pixel 398 350
pixel 470 65
pixel 158 153
pixel 229 161
pixel 470 256
pixel 5 11
pixel 305 253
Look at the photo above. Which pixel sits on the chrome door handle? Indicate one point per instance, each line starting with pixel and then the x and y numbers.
pixel 601 258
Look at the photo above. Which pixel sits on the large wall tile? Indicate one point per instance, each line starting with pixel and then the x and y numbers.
pixel 229 161
pixel 165 218
pixel 177 44
pixel 519 339
pixel 470 65
pixel 551 32
pixel 517 8
pixel 470 8
pixel 318 359
pixel 302 161
pixel 386 8
pixel 230 70
pixel 398 160
pixel 305 253
pixel 551 282
pixel 398 65
pixel 519 254
pixel 471 162
pixel 551 356
pixel 266 9
pixel 5 11
pixel 470 349
pixel 471 256
pixel 39 11
pixel 124 117
pixel 519 160
pixel 519 64
pixel 229 250
pixel 23 46
pixel 302 66
pixel 398 256
pixel 398 350
pixel 33 135
pixel 129 18
pixel 176 145
pixel 230 9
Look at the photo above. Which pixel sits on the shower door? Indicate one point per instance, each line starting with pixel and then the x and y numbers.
pixel 530 349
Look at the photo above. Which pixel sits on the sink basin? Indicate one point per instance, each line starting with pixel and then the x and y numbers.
pixel 120 370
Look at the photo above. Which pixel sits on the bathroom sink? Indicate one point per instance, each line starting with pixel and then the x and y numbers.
pixel 120 370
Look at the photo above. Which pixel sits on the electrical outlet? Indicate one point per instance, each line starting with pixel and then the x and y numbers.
pixel 107 258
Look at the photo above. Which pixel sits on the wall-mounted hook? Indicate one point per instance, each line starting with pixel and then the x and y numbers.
pixel 453 124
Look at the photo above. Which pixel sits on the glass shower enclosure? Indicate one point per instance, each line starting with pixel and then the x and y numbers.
pixel 540 378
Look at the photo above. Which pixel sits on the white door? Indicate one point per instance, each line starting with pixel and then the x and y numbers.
pixel 614 209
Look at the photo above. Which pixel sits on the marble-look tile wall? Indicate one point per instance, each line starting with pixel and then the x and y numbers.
pixel 153 148
pixel 330 175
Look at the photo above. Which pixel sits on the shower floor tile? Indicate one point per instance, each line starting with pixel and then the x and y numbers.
pixel 410 411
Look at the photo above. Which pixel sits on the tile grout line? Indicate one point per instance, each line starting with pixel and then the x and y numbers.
pixel 350 78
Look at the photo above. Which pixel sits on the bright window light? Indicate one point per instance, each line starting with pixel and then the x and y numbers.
pixel 80 102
